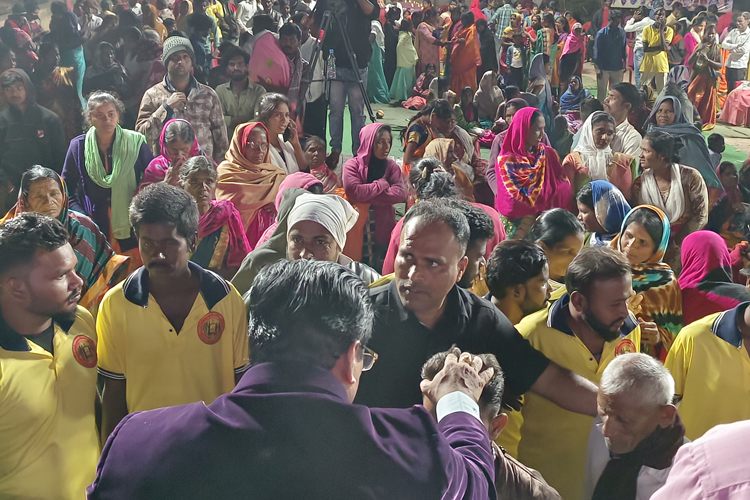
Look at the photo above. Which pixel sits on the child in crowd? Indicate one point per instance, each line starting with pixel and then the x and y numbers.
pixel 517 61
pixel 406 60
pixel 715 148
pixel 315 154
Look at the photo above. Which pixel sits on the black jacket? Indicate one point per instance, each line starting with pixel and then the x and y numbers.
pixel 32 137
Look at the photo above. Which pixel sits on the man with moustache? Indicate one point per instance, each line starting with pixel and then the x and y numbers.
pixel 583 331
pixel 239 97
pixel 47 365
pixel 172 333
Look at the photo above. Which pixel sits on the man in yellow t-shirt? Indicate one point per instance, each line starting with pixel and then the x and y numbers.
pixel 172 333
pixel 711 368
pixel 48 440
pixel 583 332
pixel 656 40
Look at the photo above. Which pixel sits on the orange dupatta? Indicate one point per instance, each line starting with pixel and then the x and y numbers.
pixel 250 187
pixel 465 58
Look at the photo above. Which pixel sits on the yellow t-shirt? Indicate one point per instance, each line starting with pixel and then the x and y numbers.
pixel 553 440
pixel 162 367
pixel 49 445
pixel 655 62
pixel 711 370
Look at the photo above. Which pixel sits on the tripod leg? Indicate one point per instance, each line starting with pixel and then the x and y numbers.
pixel 355 67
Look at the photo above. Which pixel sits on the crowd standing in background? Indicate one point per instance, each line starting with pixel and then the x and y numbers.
pixel 204 295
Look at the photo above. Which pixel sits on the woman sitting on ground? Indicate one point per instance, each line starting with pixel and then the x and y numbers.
pixel 592 158
pixel 729 217
pixel 222 243
pixel 530 178
pixel 677 190
pixel 643 240
pixel 249 180
pixel 668 116
pixel 601 209
pixel 706 277
pixel 435 120
pixel 372 178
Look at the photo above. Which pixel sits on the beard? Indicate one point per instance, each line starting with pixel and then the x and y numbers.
pixel 605 331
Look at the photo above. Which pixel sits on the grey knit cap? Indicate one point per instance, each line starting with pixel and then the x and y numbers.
pixel 175 44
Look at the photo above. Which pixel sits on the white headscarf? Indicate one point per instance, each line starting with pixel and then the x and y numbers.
pixel 596 160
pixel 675 205
pixel 329 210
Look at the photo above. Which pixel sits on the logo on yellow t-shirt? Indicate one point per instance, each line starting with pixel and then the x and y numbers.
pixel 625 346
pixel 210 328
pixel 84 351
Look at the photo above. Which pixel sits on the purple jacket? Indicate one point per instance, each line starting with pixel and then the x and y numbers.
pixel 288 431
pixel 85 195
pixel 382 193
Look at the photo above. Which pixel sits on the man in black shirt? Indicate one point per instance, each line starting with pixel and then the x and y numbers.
pixel 356 16
pixel 422 312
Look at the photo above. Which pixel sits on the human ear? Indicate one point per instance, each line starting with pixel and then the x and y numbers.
pixel 578 301
pixel 497 425
pixel 667 415
pixel 462 264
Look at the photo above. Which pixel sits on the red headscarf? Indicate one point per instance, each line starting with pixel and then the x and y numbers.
pixel 528 182
pixel 706 278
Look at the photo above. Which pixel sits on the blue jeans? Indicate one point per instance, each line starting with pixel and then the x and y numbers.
pixel 346 85
pixel 637 60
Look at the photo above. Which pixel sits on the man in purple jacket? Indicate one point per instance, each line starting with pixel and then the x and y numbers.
pixel 289 429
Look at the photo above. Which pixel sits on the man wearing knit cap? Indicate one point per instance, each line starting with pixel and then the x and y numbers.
pixel 180 95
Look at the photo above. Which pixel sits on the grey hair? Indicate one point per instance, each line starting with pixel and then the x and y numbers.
pixel 194 165
pixel 644 377
pixel 268 104
pixel 96 99
pixel 179 130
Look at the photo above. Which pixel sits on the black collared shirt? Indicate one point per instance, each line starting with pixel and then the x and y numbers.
pixel 404 344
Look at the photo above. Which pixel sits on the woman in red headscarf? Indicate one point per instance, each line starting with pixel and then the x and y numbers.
pixel 706 278
pixel 530 178
pixel 249 180
pixel 177 143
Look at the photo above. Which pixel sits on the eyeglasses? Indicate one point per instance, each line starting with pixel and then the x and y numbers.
pixel 263 148
pixel 368 357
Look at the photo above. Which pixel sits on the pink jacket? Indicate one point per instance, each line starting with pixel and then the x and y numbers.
pixel 381 193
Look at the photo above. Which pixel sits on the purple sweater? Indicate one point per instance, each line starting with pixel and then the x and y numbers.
pixel 85 195
pixel 288 431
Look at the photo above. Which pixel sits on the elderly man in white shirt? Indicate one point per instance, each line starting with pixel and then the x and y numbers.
pixel 621 100
pixel 636 24
pixel 633 442
pixel 738 45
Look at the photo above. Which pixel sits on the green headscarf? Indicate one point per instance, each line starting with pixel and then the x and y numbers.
pixel 121 181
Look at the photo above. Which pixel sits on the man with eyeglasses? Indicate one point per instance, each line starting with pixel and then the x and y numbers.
pixel 289 430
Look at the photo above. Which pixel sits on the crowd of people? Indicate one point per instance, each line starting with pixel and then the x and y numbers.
pixel 203 297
